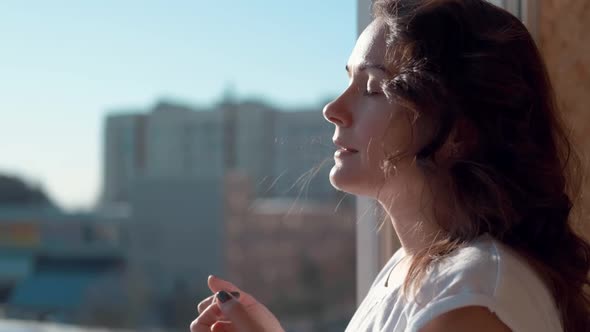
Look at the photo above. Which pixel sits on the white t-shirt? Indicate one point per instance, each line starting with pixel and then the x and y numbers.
pixel 485 273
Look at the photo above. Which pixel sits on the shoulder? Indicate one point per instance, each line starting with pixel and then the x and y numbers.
pixel 459 291
pixel 486 281
pixel 464 319
pixel 474 268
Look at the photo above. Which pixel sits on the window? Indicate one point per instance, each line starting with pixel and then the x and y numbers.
pixel 193 127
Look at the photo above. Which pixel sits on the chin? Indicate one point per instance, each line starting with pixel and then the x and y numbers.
pixel 351 181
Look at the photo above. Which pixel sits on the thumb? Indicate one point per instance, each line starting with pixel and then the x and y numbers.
pixel 236 313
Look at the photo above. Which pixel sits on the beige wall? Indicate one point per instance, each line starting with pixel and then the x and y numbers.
pixel 564 39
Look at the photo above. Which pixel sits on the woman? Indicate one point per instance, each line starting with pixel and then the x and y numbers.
pixel 450 123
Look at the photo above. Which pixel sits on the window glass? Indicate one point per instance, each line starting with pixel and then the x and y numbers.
pixel 151 144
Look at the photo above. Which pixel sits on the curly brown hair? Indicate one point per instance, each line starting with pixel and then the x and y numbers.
pixel 470 67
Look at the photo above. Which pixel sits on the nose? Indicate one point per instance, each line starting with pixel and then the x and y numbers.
pixel 338 113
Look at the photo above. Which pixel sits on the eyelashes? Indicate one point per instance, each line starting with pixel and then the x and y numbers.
pixel 370 93
pixel 374 87
pixel 370 88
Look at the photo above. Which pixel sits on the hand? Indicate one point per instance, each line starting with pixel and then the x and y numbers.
pixel 226 311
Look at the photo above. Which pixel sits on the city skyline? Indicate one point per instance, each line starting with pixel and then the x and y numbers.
pixel 283 151
pixel 71 65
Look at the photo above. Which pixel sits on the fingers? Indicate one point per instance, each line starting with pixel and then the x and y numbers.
pixel 212 312
pixel 223 326
pixel 205 303
pixel 206 319
pixel 217 284
pixel 236 313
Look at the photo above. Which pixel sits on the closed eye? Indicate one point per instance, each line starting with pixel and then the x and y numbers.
pixel 371 93
pixel 373 87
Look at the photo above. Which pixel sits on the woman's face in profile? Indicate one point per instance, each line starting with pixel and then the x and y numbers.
pixel 368 126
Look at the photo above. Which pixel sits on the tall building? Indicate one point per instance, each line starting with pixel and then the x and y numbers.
pixel 251 138
pixel 286 154
pixel 176 231
pixel 184 142
pixel 173 199
pixel 303 156
pixel 169 141
pixel 168 166
pixel 124 155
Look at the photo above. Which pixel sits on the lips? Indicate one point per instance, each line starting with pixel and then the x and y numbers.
pixel 343 147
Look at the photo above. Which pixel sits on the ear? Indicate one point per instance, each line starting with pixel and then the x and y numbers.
pixel 462 140
pixel 451 149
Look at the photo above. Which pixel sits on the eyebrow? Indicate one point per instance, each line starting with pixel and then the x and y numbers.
pixel 367 65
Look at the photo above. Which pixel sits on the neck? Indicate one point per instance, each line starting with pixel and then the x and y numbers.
pixel 413 218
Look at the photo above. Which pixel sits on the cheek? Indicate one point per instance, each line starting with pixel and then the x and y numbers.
pixel 387 139
pixel 379 138
pixel 374 131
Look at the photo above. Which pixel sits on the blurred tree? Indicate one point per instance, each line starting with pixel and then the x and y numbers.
pixel 14 190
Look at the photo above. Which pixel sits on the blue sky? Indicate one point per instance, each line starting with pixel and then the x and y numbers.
pixel 65 64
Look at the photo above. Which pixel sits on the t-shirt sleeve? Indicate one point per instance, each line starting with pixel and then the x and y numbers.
pixel 468 279
pixel 449 303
